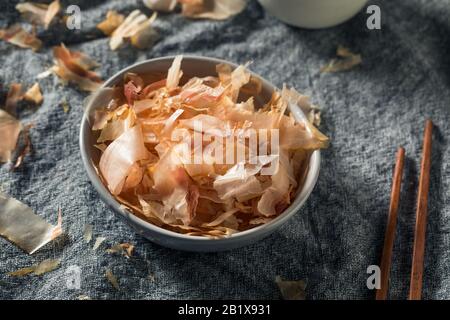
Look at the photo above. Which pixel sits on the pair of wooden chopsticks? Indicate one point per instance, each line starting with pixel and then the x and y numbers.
pixel 415 289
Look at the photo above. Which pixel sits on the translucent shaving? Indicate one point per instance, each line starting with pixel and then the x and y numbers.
pixel 212 9
pixel 126 249
pixel 10 129
pixel 174 73
pixel 346 60
pixel 145 35
pixel 46 266
pixel 41 268
pixel 119 157
pixel 112 279
pixel 18 36
pixel 65 105
pixel 14 96
pixel 39 13
pixel 98 242
pixel 75 67
pixel 87 235
pixel 26 149
pixel 20 225
pixel 136 28
pixel 33 94
pixel 161 5
pixel 112 21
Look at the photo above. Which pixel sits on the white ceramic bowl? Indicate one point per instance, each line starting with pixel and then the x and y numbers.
pixel 313 14
pixel 198 66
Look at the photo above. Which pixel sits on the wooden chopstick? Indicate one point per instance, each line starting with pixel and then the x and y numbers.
pixel 415 289
pixel 389 236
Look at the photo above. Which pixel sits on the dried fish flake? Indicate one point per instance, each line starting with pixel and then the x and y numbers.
pixel 291 290
pixel 125 249
pixel 22 272
pixel 87 236
pixel 137 28
pixel 26 149
pixel 112 21
pixel 347 60
pixel 343 52
pixel 39 13
pixel 112 279
pixel 41 268
pixel 65 105
pixel 46 73
pixel 211 9
pixel 20 225
pixel 151 277
pixel 75 67
pixel 98 242
pixel 148 174
pixel 16 35
pixel 47 266
pixel 10 129
pixel 121 162
pixel 161 5
pixel 145 35
pixel 14 96
pixel 33 94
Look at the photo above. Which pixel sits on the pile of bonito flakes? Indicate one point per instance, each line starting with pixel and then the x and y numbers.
pixel 199 156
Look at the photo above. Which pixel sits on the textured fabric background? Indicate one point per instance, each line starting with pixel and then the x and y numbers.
pixel 368 112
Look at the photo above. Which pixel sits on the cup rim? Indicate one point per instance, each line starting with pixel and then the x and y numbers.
pixel 107 198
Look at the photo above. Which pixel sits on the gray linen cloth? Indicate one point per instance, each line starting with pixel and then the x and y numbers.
pixel 330 242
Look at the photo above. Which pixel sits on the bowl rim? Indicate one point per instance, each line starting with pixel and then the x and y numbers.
pixel 108 199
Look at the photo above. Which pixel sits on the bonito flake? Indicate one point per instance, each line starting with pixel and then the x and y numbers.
pixel 33 94
pixel 98 242
pixel 75 67
pixel 112 279
pixel 198 155
pixel 10 129
pixel 200 9
pixel 26 149
pixel 211 9
pixel 136 28
pixel 126 249
pixel 39 269
pixel 290 289
pixel 20 225
pixel 14 96
pixel 346 60
pixel 18 36
pixel 161 5
pixel 39 13
pixel 112 21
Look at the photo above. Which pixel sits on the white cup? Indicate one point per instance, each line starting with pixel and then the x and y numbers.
pixel 313 14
